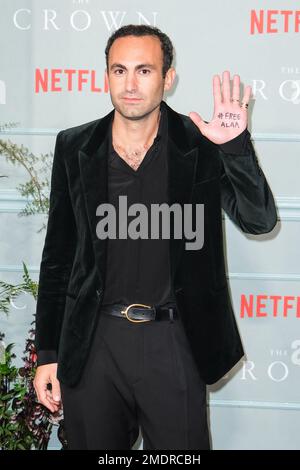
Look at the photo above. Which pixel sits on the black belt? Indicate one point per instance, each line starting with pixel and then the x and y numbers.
pixel 141 312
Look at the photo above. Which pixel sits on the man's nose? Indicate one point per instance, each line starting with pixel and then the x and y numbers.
pixel 131 82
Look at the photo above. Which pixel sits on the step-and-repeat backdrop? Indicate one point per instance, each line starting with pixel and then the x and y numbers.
pixel 52 77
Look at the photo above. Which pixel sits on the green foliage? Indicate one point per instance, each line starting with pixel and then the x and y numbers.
pixel 25 424
pixel 9 292
pixel 38 168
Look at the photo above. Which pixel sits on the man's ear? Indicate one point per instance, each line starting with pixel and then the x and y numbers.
pixel 169 78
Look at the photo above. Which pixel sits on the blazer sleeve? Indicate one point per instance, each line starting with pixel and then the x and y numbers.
pixel 56 262
pixel 246 196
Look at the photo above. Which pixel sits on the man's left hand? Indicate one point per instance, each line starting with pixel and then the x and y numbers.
pixel 230 116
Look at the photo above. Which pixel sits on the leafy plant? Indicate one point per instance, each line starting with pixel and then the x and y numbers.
pixel 25 423
pixel 38 169
pixel 10 292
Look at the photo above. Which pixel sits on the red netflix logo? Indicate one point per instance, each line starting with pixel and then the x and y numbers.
pixel 269 306
pixel 274 21
pixel 58 80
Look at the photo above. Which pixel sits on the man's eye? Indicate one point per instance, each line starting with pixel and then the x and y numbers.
pixel 144 71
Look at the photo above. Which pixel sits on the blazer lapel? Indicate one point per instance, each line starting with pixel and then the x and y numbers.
pixel 182 161
pixel 93 173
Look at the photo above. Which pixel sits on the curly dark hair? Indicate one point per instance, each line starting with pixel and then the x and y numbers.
pixel 144 30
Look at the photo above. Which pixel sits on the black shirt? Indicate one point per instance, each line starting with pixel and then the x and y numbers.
pixel 137 270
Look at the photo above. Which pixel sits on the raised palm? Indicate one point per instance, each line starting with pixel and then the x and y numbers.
pixel 230 117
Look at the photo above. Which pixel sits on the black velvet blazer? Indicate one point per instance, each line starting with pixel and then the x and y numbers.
pixel 72 270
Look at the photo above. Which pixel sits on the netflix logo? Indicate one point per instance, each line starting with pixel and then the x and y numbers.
pixel 277 306
pixel 61 80
pixel 274 21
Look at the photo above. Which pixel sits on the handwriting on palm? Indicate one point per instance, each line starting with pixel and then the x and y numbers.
pixel 230 117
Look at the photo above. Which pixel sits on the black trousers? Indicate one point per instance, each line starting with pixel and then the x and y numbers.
pixel 137 376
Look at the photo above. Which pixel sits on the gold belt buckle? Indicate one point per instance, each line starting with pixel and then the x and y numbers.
pixel 125 312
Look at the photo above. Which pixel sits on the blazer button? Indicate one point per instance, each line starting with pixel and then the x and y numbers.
pixel 99 292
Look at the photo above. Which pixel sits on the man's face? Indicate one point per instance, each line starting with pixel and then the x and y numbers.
pixel 135 75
